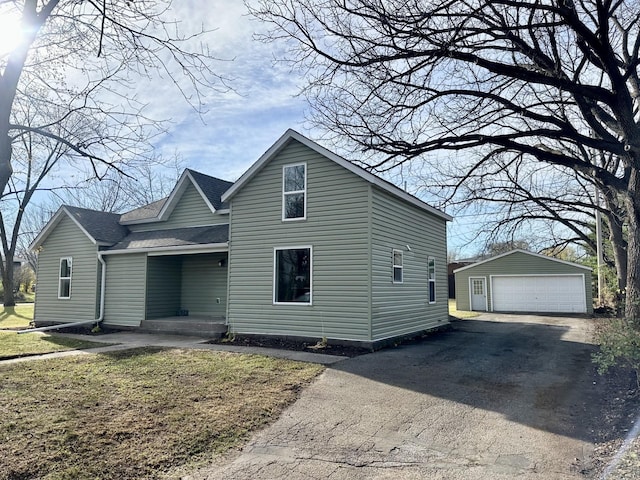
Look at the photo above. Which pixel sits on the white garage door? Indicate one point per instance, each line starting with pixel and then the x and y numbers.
pixel 548 293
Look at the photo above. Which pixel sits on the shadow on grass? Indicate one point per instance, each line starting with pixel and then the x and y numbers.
pixel 133 352
pixel 11 312
pixel 71 343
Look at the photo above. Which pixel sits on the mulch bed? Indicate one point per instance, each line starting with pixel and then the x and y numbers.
pixel 329 348
pixel 295 345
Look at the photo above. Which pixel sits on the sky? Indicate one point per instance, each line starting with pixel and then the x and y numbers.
pixel 240 125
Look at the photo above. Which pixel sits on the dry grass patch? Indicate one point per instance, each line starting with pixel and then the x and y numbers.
pixel 16 317
pixel 13 345
pixel 459 313
pixel 136 414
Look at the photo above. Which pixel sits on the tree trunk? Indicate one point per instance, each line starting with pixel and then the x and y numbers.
pixel 619 245
pixel 5 161
pixel 7 281
pixel 632 201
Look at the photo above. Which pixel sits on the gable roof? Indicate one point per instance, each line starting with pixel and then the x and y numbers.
pixel 146 211
pixel 101 228
pixel 210 189
pixel 545 257
pixel 175 237
pixel 290 135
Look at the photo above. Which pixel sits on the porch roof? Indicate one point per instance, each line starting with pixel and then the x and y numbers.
pixel 176 237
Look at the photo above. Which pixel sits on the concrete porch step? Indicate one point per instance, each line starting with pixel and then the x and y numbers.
pixel 185 326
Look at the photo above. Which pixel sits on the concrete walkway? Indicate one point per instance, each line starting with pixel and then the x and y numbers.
pixel 129 340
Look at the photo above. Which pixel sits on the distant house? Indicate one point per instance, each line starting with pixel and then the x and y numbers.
pixel 304 244
pixel 520 281
pixel 451 267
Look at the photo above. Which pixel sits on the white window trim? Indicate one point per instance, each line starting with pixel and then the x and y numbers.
pixel 60 277
pixel 394 266
pixel 275 276
pixel 292 192
pixel 430 280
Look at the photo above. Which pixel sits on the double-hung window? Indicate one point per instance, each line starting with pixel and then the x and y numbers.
pixel 64 278
pixel 294 192
pixel 292 275
pixel 432 279
pixel 397 266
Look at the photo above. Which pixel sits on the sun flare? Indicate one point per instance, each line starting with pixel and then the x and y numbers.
pixel 11 33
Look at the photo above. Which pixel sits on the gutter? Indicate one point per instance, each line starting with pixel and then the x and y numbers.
pixel 103 287
pixel 172 250
pixel 100 318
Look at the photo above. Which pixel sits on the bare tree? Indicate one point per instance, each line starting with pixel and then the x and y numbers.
pixel 35 158
pixel 24 277
pixel 115 193
pixel 552 207
pixel 70 83
pixel 542 80
pixel 32 224
pixel 144 184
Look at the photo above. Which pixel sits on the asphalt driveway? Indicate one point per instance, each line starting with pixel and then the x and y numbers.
pixel 497 397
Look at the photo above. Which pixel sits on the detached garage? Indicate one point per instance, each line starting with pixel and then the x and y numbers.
pixel 520 281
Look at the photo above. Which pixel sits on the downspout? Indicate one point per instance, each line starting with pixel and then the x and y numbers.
pixel 103 286
pixel 103 277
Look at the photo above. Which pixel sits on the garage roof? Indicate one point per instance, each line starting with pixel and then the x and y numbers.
pixel 545 257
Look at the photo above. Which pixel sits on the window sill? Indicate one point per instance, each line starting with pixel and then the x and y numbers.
pixel 299 304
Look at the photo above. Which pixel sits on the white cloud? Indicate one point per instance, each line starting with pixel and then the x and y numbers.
pixel 238 125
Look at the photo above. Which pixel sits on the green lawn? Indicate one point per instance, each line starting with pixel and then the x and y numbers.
pixel 14 345
pixel 16 317
pixel 459 314
pixel 137 414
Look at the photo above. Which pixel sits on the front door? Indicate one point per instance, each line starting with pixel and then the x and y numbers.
pixel 478 288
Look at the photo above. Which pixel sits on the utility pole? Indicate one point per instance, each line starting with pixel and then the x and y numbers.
pixel 599 247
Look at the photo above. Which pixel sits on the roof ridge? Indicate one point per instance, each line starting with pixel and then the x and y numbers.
pixel 89 209
pixel 197 172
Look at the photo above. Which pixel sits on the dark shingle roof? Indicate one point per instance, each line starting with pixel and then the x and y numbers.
pixel 212 187
pixel 148 211
pixel 177 237
pixel 104 227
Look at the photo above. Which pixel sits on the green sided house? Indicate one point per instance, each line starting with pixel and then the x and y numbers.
pixel 520 281
pixel 304 244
